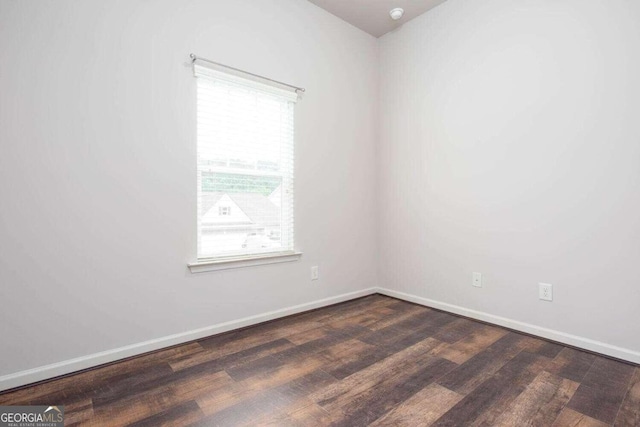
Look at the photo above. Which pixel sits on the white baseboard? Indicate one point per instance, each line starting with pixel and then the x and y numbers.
pixel 68 366
pixel 561 337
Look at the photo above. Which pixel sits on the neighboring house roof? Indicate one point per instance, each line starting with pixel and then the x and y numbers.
pixel 276 196
pixel 233 214
pixel 257 207
pixel 208 200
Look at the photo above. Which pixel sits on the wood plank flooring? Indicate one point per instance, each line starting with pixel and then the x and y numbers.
pixel 372 361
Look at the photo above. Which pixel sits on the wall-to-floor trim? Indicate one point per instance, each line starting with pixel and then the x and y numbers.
pixel 41 373
pixel 30 376
pixel 550 334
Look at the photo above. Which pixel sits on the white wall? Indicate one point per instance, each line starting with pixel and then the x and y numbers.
pixel 510 145
pixel 97 167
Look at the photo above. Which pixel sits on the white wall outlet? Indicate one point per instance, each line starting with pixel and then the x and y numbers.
pixel 546 291
pixel 477 280
pixel 314 272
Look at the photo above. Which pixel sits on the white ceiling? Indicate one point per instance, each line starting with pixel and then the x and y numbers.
pixel 372 16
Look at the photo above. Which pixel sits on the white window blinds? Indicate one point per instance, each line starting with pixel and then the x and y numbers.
pixel 245 165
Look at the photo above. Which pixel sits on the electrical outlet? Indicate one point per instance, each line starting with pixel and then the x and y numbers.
pixel 546 291
pixel 477 280
pixel 314 272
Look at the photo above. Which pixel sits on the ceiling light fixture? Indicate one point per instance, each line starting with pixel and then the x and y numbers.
pixel 396 13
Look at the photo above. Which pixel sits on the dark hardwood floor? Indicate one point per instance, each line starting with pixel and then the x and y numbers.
pixel 372 361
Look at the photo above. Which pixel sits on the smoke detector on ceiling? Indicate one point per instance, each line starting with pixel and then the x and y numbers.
pixel 396 13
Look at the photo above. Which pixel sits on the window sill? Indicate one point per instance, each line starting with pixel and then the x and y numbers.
pixel 203 266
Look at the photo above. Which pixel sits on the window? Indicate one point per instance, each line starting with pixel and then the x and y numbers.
pixel 245 165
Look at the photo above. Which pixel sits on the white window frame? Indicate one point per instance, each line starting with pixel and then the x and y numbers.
pixel 245 260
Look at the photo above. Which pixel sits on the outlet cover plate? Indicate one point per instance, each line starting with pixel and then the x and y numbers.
pixel 477 280
pixel 546 291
